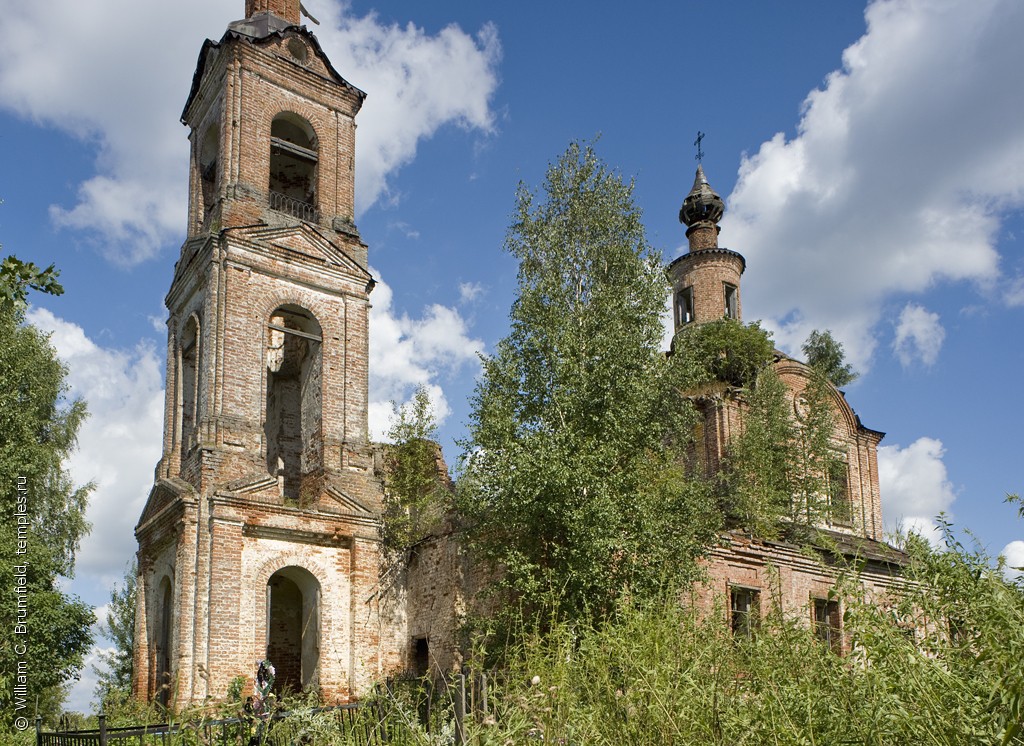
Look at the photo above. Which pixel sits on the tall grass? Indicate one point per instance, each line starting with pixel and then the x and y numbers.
pixel 944 664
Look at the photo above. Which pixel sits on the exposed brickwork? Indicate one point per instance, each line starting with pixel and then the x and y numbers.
pixel 707 272
pixel 786 578
pixel 286 9
pixel 266 480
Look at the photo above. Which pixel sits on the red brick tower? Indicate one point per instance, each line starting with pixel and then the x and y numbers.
pixel 259 539
pixel 706 280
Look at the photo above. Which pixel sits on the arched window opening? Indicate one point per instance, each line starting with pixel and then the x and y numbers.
pixel 189 356
pixel 293 160
pixel 294 410
pixel 208 166
pixel 838 483
pixel 293 629
pixel 162 640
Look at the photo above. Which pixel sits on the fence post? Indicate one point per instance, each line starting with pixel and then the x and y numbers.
pixel 483 693
pixel 103 729
pixel 460 710
pixel 39 730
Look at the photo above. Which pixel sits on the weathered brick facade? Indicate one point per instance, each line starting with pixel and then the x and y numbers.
pixel 260 536
pixel 706 287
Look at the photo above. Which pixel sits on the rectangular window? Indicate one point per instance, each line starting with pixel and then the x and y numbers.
pixel 684 306
pixel 744 610
pixel 828 622
pixel 732 310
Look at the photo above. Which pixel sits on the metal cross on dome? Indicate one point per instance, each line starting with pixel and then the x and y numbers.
pixel 700 153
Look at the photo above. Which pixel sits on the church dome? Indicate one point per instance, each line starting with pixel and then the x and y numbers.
pixel 702 204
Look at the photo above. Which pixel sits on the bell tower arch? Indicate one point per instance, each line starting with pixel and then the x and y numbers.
pixel 266 451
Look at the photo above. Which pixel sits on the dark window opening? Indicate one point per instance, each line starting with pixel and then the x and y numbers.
pixel 828 623
pixel 744 610
pixel 293 167
pixel 294 403
pixel 731 301
pixel 684 306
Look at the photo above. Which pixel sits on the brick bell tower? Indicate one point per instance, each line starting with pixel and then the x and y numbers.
pixel 705 280
pixel 260 535
pixel 706 287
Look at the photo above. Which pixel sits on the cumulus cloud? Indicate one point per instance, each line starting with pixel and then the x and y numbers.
pixel 416 82
pixel 116 73
pixel 918 335
pixel 915 487
pixel 407 352
pixel 903 165
pixel 120 442
pixel 1014 554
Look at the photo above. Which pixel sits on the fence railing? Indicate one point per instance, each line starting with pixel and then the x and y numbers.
pixel 405 707
pixel 359 726
pixel 297 208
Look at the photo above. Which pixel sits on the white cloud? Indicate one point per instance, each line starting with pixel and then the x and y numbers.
pixel 81 690
pixel 1014 294
pixel 1014 554
pixel 469 291
pixel 902 167
pixel 116 73
pixel 416 83
pixel 120 442
pixel 918 335
pixel 408 352
pixel 915 487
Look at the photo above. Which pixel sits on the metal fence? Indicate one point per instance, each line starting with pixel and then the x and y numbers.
pixel 406 707
pixel 356 725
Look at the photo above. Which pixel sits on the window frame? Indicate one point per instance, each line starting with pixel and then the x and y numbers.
pixel 744 623
pixel 827 622
pixel 731 298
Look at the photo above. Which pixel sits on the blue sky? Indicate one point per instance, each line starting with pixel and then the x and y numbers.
pixel 871 159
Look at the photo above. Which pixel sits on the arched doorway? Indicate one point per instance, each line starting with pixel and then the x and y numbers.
pixel 165 623
pixel 293 628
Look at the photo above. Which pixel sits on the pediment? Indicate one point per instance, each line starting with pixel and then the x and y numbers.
pixel 336 501
pixel 259 486
pixel 301 243
pixel 165 492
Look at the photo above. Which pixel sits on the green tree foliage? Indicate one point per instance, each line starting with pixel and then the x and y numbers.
pixel 721 352
pixel 18 277
pixel 43 518
pixel 416 494
pixel 760 475
pixel 819 460
pixel 825 354
pixel 114 676
pixel 572 483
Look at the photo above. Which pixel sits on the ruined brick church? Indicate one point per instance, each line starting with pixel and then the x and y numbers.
pixel 260 535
